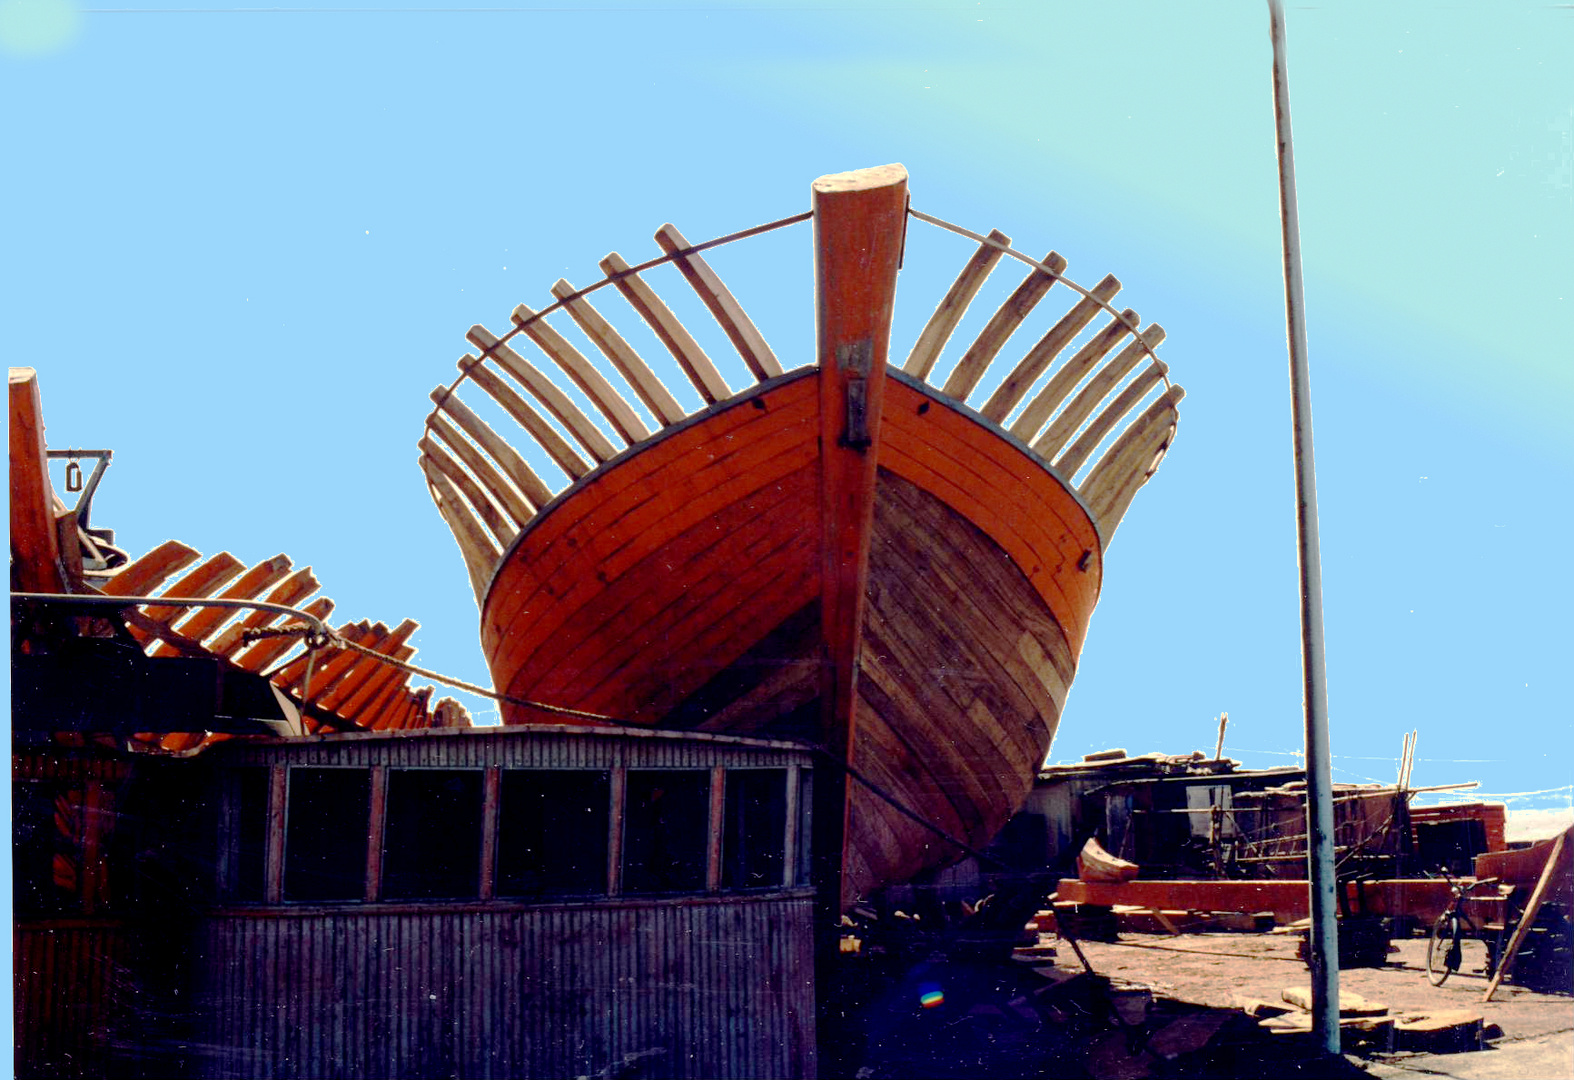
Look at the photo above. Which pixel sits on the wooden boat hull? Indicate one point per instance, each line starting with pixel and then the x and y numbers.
pixel 680 586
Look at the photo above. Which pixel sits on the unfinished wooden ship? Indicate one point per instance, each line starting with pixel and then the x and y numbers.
pixel 847 552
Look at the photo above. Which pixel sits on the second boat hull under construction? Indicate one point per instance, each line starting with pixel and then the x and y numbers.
pixel 842 554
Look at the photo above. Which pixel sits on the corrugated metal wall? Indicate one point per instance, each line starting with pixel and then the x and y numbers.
pixel 68 1026
pixel 684 988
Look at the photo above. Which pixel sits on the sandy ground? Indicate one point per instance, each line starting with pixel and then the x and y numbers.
pixel 1224 970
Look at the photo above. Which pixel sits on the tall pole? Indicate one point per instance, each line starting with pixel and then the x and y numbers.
pixel 1324 941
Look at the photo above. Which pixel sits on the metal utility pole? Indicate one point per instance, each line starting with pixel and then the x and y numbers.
pixel 1324 942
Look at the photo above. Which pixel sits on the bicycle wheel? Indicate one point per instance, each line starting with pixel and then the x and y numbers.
pixel 1442 952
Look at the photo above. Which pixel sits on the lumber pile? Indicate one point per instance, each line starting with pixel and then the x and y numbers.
pixel 1370 1026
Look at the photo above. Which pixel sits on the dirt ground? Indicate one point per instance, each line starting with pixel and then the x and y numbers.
pixel 1225 970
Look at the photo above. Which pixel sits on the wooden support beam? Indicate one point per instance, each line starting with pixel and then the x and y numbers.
pixel 859 229
pixel 931 342
pixel 141 576
pixel 1060 384
pixel 964 377
pixel 1014 387
pixel 555 445
pixel 679 342
pixel 745 337
pixel 546 391
pixel 714 828
pixel 205 620
pixel 35 546
pixel 1528 919
pixel 594 384
pixel 657 398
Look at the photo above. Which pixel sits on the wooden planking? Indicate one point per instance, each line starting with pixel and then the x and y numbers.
pixel 1073 459
pixel 666 326
pixel 502 528
pixel 289 592
pixel 141 576
pixel 583 373
pixel 514 467
pixel 1125 466
pixel 260 654
pixel 35 543
pixel 657 398
pixel 355 688
pixel 1072 372
pixel 1094 391
pixel 329 659
pixel 205 620
pixel 205 580
pixel 480 551
pixel 624 513
pixel 545 391
pixel 556 447
pixel 500 488
pixel 942 324
pixel 743 334
pixel 1014 387
pixel 1001 326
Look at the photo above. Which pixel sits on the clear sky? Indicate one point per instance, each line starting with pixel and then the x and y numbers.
pixel 242 244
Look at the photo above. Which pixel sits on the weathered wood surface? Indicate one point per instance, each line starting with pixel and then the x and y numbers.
pixel 943 323
pixel 740 329
pixel 35 545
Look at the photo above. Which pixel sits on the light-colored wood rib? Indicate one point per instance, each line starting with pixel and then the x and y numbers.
pixel 501 527
pixel 745 336
pixel 480 554
pixel 1108 418
pixel 1001 326
pixel 507 495
pixel 290 592
pixel 1014 387
pixel 594 384
pixel 1127 464
pixel 331 660
pixel 1095 390
pixel 205 580
pixel 141 576
pixel 260 654
pixel 1060 384
pixel 205 620
pixel 507 458
pixel 545 391
pixel 657 398
pixel 381 678
pixel 942 324
pixel 556 447
pixel 344 693
pixel 666 326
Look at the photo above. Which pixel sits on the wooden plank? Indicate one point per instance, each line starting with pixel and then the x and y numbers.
pixel 547 392
pixel 499 487
pixel 339 680
pixel 657 398
pixel 289 676
pixel 141 576
pixel 204 621
pixel 491 787
pixel 383 678
pixel 273 866
pixel 1014 387
pixel 1528 919
pixel 1079 452
pixel 205 580
pixel 434 456
pixel 35 545
pixel 289 592
pixel 375 840
pixel 366 673
pixel 619 785
pixel 938 330
pixel 1110 486
pixel 584 374
pixel 1000 327
pixel 479 551
pixel 1060 384
pixel 859 228
pixel 794 815
pixel 514 467
pixel 556 447
pixel 743 334
pixel 666 326
pixel 260 654
pixel 714 828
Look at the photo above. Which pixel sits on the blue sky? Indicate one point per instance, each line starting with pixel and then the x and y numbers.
pixel 242 245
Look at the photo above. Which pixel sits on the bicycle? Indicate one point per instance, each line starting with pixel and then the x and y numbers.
pixel 1443 952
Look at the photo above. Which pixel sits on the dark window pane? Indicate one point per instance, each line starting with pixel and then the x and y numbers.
pixel 664 830
pixel 552 833
pixel 246 837
pixel 754 843
pixel 432 839
pixel 325 834
pixel 805 826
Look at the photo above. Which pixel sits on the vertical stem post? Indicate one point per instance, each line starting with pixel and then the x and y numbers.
pixel 1324 942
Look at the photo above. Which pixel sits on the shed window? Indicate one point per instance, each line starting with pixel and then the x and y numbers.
pixel 665 829
pixel 245 833
pixel 325 834
pixel 754 841
pixel 552 832
pixel 432 840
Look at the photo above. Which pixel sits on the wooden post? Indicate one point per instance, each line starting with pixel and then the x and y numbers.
pixel 619 778
pixel 790 841
pixel 1527 920
pixel 1218 751
pixel 35 545
pixel 718 807
pixel 273 879
pixel 374 834
pixel 859 227
pixel 492 786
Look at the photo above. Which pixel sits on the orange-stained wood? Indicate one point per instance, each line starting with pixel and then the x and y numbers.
pixel 859 228
pixel 35 546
